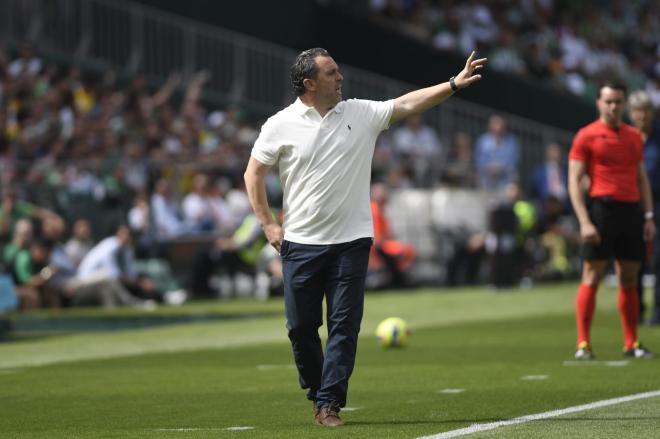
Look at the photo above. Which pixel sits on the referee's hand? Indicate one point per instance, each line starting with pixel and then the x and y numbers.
pixel 589 234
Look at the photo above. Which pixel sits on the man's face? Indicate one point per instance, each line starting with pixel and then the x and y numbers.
pixel 328 81
pixel 642 117
pixel 610 105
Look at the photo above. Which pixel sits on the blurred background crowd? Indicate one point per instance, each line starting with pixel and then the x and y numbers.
pixel 568 44
pixel 118 193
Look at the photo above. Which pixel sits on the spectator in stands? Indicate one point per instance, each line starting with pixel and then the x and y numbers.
pixel 497 155
pixel 80 242
pixel 510 225
pixel 550 179
pixel 197 210
pixel 418 145
pixel 53 230
pixel 239 253
pixel 13 209
pixel 114 258
pixel 140 221
pixel 166 216
pixel 222 215
pixel 387 255
pixel 460 170
pixel 32 274
pixel 557 236
pixel 27 65
pixel 20 241
pixel 643 117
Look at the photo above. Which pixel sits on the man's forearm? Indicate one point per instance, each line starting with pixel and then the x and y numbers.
pixel 577 200
pixel 421 100
pixel 256 190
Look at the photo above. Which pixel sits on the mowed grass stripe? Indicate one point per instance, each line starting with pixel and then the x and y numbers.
pixel 542 416
pixel 396 390
pixel 637 419
pixel 421 308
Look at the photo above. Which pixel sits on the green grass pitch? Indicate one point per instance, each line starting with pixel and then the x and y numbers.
pixel 474 357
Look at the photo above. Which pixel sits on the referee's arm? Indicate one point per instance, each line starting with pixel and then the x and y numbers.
pixel 647 201
pixel 577 169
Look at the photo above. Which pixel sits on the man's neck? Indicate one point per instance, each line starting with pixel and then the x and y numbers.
pixel 614 125
pixel 310 101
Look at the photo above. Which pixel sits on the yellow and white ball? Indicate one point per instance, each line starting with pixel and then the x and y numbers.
pixel 392 332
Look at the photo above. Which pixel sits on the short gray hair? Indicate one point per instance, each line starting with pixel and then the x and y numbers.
pixel 304 67
pixel 640 99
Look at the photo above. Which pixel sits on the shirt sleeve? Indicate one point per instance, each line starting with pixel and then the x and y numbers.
pixel 266 148
pixel 639 146
pixel 376 113
pixel 23 267
pixel 580 148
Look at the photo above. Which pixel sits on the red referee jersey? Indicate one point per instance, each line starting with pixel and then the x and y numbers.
pixel 612 156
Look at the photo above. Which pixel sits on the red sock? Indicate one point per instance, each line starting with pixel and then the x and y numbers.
pixel 585 304
pixel 629 312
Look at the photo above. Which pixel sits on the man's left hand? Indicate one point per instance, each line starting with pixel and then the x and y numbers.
pixel 469 75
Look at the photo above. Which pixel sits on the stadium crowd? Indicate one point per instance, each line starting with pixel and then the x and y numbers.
pixel 83 155
pixel 569 44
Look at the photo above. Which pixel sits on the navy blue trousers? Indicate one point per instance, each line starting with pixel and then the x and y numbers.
pixel 336 272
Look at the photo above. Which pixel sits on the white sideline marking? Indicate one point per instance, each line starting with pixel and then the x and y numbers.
pixel 597 363
pixel 534 377
pixel 538 416
pixel 189 429
pixel 275 366
pixel 350 409
pixel 451 391
pixel 186 430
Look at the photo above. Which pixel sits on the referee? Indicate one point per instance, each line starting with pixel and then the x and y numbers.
pixel 613 225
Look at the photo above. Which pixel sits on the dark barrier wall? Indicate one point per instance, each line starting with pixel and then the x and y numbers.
pixel 304 23
pixel 372 47
pixel 289 23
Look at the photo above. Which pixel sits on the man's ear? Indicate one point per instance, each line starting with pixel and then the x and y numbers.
pixel 309 84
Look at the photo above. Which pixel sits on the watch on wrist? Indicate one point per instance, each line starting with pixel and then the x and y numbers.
pixel 648 215
pixel 452 83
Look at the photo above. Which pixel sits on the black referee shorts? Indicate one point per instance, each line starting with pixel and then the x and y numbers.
pixel 621 228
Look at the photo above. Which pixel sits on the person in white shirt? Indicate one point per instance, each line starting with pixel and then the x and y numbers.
pixel 323 147
pixel 167 221
pixel 113 258
pixel 197 210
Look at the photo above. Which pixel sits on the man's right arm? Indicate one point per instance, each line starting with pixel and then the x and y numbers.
pixel 256 189
pixel 577 169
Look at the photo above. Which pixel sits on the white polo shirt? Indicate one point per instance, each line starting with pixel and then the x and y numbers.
pixel 325 167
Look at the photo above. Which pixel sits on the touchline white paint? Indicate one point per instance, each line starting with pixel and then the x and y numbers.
pixel 545 415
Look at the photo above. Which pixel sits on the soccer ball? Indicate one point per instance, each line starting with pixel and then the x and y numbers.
pixel 392 333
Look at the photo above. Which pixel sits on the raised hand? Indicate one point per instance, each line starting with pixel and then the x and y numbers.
pixel 469 74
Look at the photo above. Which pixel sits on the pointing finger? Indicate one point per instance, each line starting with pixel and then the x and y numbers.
pixel 470 58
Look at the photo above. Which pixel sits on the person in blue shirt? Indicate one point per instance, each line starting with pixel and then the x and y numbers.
pixel 642 115
pixel 497 155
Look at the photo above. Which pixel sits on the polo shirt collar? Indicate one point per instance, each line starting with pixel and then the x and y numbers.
pixel 302 109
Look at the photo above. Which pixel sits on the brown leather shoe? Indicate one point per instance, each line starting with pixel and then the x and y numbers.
pixel 328 415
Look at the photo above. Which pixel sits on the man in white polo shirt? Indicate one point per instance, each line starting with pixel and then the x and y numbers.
pixel 323 147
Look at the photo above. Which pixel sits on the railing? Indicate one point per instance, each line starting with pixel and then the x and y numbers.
pixel 253 73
